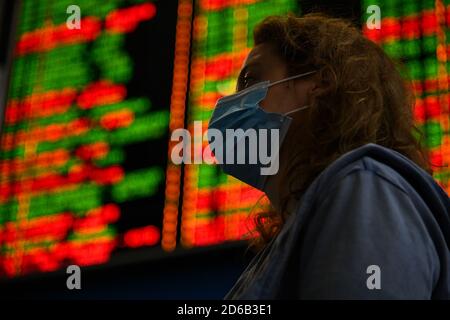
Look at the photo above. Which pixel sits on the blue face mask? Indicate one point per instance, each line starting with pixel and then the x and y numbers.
pixel 236 120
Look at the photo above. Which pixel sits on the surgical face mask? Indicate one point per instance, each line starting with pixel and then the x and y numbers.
pixel 239 132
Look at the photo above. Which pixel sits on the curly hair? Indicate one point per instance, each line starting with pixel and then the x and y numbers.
pixel 371 103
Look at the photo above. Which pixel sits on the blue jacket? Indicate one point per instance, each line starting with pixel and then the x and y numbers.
pixel 372 225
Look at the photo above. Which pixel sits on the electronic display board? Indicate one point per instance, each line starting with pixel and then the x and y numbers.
pixel 416 33
pixel 216 206
pixel 82 161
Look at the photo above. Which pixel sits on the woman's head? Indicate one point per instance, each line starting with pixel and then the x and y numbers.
pixel 264 63
pixel 357 96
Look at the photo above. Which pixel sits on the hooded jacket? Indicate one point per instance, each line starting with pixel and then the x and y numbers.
pixel 372 225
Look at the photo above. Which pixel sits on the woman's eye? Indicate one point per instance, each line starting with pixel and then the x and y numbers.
pixel 248 81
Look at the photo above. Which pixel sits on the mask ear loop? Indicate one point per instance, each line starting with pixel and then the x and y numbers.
pixel 295 110
pixel 292 77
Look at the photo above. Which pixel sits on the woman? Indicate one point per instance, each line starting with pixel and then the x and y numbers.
pixel 356 213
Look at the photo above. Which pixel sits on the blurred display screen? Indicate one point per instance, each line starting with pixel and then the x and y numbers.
pixel 216 206
pixel 417 34
pixel 83 149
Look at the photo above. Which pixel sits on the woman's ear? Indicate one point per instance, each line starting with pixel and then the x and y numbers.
pixel 314 89
pixel 304 90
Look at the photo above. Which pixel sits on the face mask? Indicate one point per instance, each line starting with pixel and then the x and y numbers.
pixel 239 132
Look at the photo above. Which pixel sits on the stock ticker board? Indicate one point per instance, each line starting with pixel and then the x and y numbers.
pixel 85 172
pixel 83 149
pixel 417 33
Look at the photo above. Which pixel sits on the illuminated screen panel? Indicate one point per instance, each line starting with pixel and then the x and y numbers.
pixel 216 206
pixel 84 143
pixel 417 32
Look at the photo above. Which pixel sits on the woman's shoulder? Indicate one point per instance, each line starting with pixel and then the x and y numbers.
pixel 383 166
pixel 372 205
